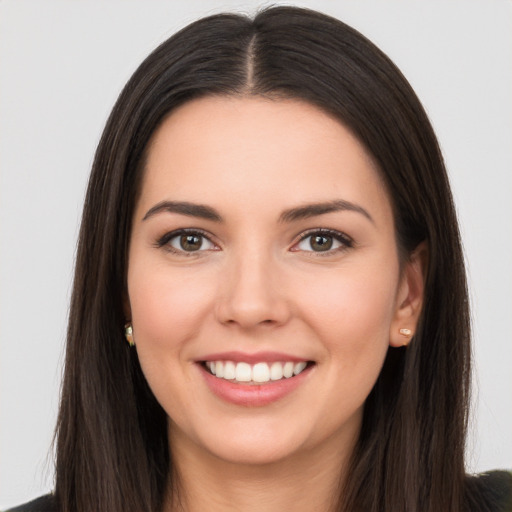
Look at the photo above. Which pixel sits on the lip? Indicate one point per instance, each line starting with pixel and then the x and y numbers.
pixel 253 395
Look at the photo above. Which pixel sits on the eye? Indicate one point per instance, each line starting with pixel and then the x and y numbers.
pixel 323 241
pixel 186 241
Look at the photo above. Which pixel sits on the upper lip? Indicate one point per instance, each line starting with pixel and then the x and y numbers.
pixel 257 357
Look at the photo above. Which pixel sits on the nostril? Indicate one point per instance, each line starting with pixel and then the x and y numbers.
pixel 248 308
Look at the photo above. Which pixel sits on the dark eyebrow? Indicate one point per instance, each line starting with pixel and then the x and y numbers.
pixel 184 208
pixel 314 209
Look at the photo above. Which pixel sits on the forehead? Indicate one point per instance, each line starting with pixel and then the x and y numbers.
pixel 275 152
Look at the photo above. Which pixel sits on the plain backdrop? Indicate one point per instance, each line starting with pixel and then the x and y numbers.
pixel 62 65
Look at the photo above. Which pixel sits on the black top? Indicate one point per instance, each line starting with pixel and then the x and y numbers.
pixel 42 504
pixel 494 489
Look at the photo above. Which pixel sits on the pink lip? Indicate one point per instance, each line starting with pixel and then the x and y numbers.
pixel 258 357
pixel 253 395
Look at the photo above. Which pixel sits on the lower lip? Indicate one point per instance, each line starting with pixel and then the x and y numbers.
pixel 253 395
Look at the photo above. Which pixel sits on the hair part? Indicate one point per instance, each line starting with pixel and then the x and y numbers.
pixel 112 447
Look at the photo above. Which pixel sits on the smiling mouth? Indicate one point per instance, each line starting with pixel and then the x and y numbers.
pixel 259 373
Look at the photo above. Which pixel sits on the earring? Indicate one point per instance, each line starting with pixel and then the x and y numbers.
pixel 407 333
pixel 128 334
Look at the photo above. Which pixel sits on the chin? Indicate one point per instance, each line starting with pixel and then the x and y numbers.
pixel 255 453
pixel 247 443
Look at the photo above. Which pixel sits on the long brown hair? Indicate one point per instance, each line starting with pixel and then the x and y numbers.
pixel 112 450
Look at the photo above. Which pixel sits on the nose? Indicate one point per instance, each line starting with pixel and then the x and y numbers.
pixel 252 293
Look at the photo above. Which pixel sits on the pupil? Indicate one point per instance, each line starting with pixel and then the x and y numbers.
pixel 321 243
pixel 190 242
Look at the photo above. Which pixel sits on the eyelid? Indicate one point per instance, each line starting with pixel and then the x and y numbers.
pixel 163 241
pixel 346 241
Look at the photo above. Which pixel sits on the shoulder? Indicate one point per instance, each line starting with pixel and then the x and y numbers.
pixel 43 504
pixel 490 491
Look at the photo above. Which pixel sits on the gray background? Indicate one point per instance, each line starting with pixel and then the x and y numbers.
pixel 62 65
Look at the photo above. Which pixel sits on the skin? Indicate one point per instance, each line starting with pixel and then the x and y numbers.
pixel 254 285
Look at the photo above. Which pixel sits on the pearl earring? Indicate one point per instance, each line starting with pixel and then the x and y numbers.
pixel 128 334
pixel 407 333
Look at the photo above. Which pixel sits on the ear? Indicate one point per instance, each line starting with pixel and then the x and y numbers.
pixel 409 299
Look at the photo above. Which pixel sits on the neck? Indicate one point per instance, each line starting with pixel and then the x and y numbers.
pixel 302 482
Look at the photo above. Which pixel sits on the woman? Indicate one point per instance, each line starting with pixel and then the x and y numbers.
pixel 269 226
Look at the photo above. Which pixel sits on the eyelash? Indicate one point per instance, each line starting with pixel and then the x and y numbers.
pixel 345 241
pixel 163 242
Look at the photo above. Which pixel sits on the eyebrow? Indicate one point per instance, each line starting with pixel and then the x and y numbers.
pixel 190 209
pixel 291 215
pixel 314 209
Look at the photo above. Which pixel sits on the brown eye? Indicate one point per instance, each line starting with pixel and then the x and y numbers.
pixel 321 242
pixel 191 242
pixel 186 242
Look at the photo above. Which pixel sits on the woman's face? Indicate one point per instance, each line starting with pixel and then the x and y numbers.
pixel 263 244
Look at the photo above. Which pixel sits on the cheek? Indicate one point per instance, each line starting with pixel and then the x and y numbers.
pixel 352 314
pixel 166 307
pixel 354 303
pixel 167 311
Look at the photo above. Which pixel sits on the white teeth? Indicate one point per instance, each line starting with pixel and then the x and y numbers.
pixel 243 372
pixel 288 370
pixel 299 367
pixel 229 370
pixel 276 371
pixel 260 372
